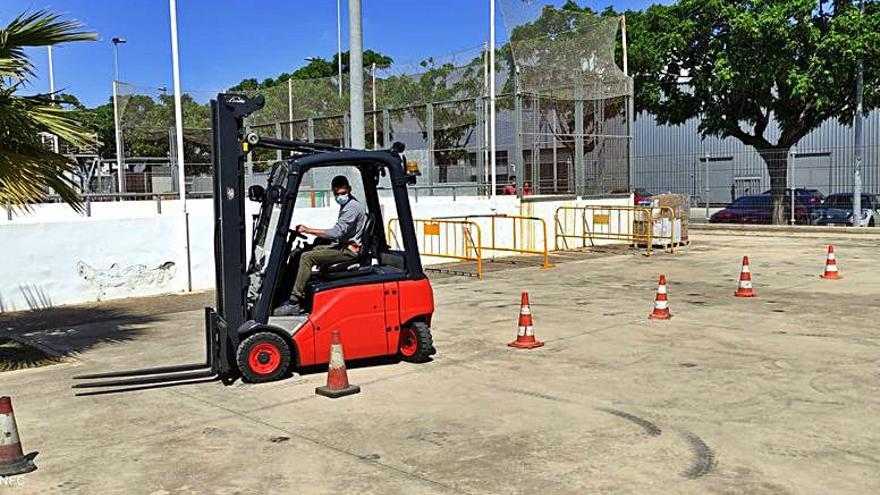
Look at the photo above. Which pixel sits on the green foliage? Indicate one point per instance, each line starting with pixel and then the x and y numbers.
pixel 100 121
pixel 317 68
pixel 739 65
pixel 747 62
pixel 454 91
pixel 147 124
pixel 27 167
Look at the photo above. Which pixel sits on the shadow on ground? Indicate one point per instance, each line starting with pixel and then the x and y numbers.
pixel 67 330
pixel 468 269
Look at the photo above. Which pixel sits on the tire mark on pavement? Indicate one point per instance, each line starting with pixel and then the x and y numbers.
pixel 704 458
pixel 649 427
pixel 367 459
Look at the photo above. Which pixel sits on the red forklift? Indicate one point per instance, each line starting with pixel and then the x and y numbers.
pixel 381 303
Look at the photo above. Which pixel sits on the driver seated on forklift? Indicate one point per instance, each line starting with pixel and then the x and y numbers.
pixel 346 240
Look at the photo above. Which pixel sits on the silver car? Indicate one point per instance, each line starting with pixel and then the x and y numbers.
pixel 837 209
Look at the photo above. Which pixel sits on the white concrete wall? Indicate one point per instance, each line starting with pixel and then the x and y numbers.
pixel 47 264
pixel 54 256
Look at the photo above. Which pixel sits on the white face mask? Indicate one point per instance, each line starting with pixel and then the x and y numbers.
pixel 342 199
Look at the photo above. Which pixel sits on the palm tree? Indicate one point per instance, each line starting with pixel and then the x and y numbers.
pixel 27 167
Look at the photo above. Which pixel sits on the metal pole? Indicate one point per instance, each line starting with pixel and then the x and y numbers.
pixel 52 94
pixel 492 141
pixel 375 129
pixel 630 110
pixel 119 151
pixel 555 158
pixel 858 137
pixel 339 42
pixel 386 127
pixel 793 182
pixel 485 114
pixel 178 109
pixel 178 123
pixel 706 185
pixel 51 74
pixel 116 61
pixel 356 74
pixel 290 105
pixel 429 131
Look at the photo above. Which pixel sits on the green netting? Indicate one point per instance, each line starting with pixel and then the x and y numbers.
pixel 302 99
pixel 562 108
pixel 149 139
pixel 564 53
pixel 146 120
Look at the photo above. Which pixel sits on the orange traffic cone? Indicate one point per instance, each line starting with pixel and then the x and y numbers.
pixel 831 272
pixel 12 458
pixel 525 335
pixel 661 302
pixel 337 377
pixel 745 281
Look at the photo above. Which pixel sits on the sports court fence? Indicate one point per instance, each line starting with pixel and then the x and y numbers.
pixel 569 133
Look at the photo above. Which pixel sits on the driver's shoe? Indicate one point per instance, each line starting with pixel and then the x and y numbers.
pixel 288 309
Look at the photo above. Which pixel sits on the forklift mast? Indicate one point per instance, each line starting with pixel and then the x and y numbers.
pixel 230 252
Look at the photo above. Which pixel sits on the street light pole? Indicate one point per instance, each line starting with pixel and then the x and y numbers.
pixel 356 74
pixel 485 115
pixel 52 94
pixel 339 43
pixel 178 110
pixel 116 42
pixel 120 165
pixel 290 106
pixel 375 130
pixel 178 124
pixel 492 161
pixel 858 136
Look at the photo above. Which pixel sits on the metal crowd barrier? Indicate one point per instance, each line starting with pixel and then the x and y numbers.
pixel 584 225
pixel 441 238
pixel 519 240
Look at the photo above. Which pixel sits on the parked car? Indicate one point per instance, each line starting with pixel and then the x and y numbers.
pixel 757 209
pixel 811 198
pixel 641 197
pixel 837 210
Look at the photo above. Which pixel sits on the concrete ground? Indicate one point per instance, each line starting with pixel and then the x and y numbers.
pixel 774 395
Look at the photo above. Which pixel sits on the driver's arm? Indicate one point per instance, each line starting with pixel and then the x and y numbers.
pixel 347 219
pixel 322 233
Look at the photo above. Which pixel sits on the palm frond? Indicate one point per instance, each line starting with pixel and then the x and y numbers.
pixel 27 168
pixel 40 28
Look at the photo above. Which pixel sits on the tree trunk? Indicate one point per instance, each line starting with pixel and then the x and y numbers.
pixel 777 167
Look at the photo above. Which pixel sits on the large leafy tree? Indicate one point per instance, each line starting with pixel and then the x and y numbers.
pixel 316 68
pixel 743 66
pixel 28 168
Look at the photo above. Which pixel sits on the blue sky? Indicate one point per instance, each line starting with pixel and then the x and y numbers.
pixel 224 41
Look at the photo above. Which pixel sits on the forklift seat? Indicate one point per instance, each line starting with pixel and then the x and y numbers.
pixel 361 265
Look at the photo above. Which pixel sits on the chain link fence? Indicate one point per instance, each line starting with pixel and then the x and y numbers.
pixel 562 118
pixel 722 177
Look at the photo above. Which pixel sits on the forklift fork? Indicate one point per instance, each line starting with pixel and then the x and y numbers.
pixel 168 375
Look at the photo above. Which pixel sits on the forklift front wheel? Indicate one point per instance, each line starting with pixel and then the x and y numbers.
pixel 416 343
pixel 263 357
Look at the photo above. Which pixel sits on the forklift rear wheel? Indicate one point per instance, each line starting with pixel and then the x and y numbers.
pixel 263 357
pixel 416 343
